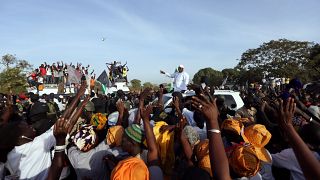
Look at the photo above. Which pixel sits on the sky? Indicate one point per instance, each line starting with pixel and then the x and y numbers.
pixel 151 34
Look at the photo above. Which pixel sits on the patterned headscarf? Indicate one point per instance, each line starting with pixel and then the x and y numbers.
pixel 192 134
pixel 99 120
pixel 85 138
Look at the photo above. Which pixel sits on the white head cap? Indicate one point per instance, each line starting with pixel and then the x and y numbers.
pixel 181 66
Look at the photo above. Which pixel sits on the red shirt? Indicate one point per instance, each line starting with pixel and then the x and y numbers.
pixel 43 71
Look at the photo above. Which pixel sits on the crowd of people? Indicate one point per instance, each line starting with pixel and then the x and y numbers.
pixel 275 135
pixel 56 73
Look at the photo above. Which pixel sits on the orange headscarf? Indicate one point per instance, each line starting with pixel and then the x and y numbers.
pixel 130 169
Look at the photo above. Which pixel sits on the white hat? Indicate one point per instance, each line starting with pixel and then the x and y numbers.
pixel 181 66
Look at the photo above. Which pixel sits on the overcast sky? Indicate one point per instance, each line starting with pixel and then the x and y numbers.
pixel 151 34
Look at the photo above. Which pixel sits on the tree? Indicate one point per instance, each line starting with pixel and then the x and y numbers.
pixel 8 60
pixel 231 73
pixel 314 63
pixel 135 84
pixel 278 58
pixel 147 85
pixel 12 78
pixel 215 78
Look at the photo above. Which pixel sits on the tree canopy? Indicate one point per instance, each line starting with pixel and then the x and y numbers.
pixel 135 84
pixel 278 58
pixel 215 78
pixel 13 78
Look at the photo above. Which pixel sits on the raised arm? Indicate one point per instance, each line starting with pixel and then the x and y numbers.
pixel 73 120
pixel 60 132
pixel 142 97
pixel 218 157
pixel 310 166
pixel 67 113
pixel 151 140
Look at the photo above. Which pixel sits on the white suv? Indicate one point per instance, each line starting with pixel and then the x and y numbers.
pixel 231 98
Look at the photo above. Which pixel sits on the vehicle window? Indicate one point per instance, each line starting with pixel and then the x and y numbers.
pixel 228 100
pixel 166 99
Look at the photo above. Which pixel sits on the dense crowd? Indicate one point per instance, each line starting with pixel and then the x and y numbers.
pixel 275 135
pixel 56 73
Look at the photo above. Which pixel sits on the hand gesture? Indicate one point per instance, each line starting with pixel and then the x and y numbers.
pixel 60 130
pixel 162 72
pixel 207 107
pixel 120 106
pixel 286 112
pixel 176 102
pixel 145 112
pixel 146 92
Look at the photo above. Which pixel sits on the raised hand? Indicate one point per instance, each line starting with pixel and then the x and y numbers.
pixel 162 72
pixel 145 93
pixel 286 112
pixel 145 112
pixel 60 130
pixel 120 106
pixel 207 107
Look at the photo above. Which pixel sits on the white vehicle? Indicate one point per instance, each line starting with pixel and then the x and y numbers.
pixel 231 98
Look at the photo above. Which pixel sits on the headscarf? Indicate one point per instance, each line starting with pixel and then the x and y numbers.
pixel 192 135
pixel 114 135
pixel 258 136
pixel 85 138
pixel 202 154
pixel 130 169
pixel 244 162
pixel 165 142
pixel 99 120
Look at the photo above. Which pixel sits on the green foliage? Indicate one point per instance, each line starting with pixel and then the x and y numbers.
pixel 277 58
pixel 12 77
pixel 313 65
pixel 147 85
pixel 135 84
pixel 232 74
pixel 215 77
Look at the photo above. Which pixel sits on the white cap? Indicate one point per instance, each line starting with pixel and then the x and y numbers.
pixel 181 66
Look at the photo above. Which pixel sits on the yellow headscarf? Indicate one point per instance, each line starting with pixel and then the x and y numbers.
pixel 202 154
pixel 114 135
pixel 165 142
pixel 130 169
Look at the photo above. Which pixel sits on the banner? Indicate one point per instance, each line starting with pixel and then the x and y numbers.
pixel 74 75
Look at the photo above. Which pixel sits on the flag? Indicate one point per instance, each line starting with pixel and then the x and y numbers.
pixel 74 75
pixel 103 78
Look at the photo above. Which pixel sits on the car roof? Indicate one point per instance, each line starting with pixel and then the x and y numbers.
pixel 192 93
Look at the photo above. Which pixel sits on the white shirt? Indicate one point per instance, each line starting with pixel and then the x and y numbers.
pixel 32 160
pixel 40 80
pixel 91 164
pixel 287 159
pixel 181 80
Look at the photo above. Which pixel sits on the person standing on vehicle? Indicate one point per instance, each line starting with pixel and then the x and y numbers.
pixel 181 79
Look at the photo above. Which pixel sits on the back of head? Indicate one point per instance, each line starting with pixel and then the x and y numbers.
pixel 131 168
pixel 310 133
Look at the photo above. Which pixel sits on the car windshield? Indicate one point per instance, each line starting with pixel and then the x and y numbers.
pixel 228 99
pixel 166 99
